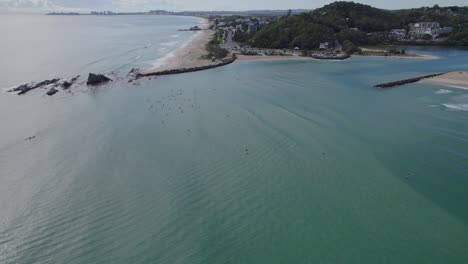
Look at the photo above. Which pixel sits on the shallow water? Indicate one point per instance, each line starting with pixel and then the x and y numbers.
pixel 255 162
pixel 40 47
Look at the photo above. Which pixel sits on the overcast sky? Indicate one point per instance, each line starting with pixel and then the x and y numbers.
pixel 178 5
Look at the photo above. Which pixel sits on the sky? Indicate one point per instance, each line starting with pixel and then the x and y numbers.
pixel 206 5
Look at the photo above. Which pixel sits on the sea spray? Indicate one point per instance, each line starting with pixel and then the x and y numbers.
pixel 443 91
pixel 458 107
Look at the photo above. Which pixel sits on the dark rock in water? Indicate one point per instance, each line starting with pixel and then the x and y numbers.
pixel 52 91
pixel 97 79
pixel 53 83
pixel 66 85
pixel 24 88
pixel 30 138
pixel 19 88
pixel 133 71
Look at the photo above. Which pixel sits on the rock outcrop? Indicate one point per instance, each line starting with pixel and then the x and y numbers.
pixel 52 85
pixel 24 88
pixel 52 91
pixel 97 79
pixel 133 71
pixel 67 84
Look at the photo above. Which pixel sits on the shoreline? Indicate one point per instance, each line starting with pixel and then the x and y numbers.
pixel 412 56
pixel 242 58
pixel 458 79
pixel 189 55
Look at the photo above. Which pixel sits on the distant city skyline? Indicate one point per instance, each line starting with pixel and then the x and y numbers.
pixel 201 5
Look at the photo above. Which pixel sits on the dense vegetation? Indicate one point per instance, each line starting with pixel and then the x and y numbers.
pixel 351 22
pixel 291 31
pixel 460 35
pixel 214 50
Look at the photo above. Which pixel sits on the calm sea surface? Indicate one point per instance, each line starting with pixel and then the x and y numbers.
pixel 255 162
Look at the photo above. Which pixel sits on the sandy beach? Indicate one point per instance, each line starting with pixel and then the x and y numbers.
pixel 191 55
pixel 296 57
pixel 409 56
pixel 380 53
pixel 451 79
pixel 271 58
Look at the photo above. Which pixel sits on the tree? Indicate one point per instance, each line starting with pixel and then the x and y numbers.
pixel 360 24
pixel 289 12
pixel 427 37
pixel 358 37
pixel 349 47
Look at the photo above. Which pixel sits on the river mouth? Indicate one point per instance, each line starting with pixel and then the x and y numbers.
pixel 258 162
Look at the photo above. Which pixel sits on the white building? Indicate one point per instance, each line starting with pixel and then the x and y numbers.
pixel 324 45
pixel 421 29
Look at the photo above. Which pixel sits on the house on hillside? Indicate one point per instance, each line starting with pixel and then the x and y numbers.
pixel 253 27
pixel 398 34
pixel 427 30
pixel 221 24
pixel 324 45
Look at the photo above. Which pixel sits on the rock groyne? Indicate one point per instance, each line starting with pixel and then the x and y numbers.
pixel 406 81
pixel 185 70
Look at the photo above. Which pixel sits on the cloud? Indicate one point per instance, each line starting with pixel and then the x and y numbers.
pixel 33 6
pixel 127 5
pixel 144 5
pixel 85 5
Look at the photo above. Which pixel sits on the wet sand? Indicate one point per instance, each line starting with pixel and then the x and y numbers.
pixel 191 55
pixel 297 57
pixel 409 56
pixel 271 58
pixel 451 79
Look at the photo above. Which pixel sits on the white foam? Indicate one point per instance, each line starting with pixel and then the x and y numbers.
pixel 459 107
pixel 167 45
pixel 159 62
pixel 443 91
pixel 6 89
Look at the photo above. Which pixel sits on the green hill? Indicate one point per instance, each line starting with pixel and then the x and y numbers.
pixel 351 22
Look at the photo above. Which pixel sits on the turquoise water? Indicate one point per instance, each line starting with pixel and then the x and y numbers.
pixel 255 162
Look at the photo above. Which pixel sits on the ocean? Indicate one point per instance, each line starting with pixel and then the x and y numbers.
pixel 254 162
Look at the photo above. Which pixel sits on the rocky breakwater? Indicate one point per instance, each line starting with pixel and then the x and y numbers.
pixel 406 81
pixel 183 70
